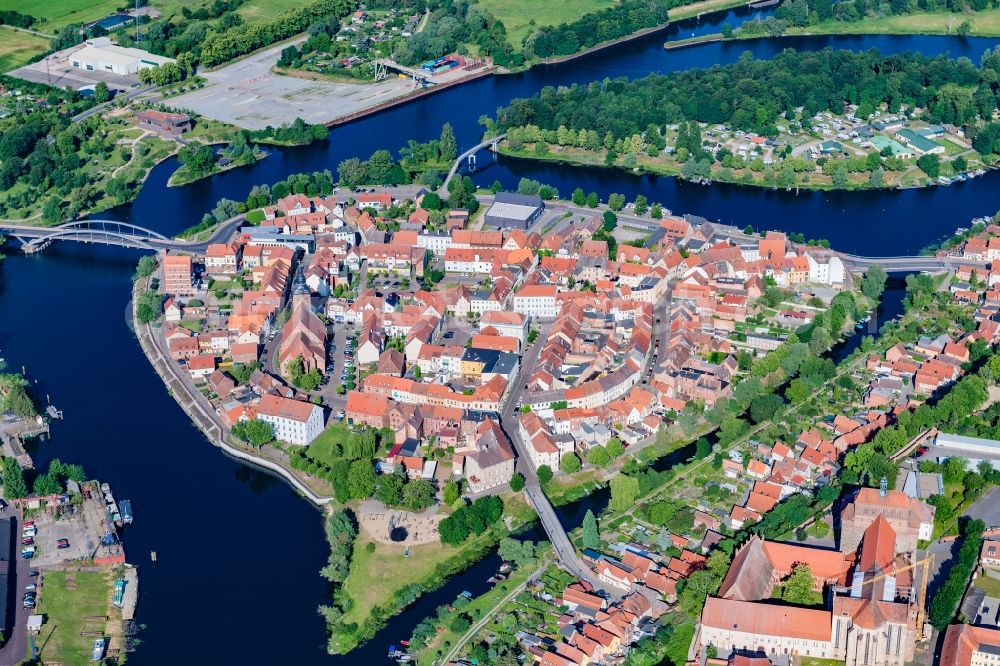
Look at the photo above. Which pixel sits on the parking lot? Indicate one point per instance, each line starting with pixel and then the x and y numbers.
pixel 337 372
pixel 56 71
pixel 50 529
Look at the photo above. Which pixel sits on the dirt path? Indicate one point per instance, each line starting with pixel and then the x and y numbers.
pixel 30 32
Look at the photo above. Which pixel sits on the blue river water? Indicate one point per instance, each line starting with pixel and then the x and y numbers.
pixel 238 552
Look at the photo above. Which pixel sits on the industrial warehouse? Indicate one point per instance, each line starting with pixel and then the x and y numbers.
pixel 514 211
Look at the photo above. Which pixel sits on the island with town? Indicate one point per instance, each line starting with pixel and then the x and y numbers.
pixel 784 475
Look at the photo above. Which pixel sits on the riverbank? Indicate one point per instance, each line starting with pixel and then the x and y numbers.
pixel 983 23
pixel 384 579
pixel 771 177
pixel 204 417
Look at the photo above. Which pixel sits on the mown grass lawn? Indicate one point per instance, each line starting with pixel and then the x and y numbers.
pixel 375 576
pixel 324 448
pixel 66 599
pixel 522 17
pixel 989 585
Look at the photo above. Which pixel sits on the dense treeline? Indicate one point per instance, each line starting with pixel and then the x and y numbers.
pixel 299 133
pixel 239 40
pixel 471 519
pixel 945 601
pixel 16 19
pixel 753 95
pixel 617 21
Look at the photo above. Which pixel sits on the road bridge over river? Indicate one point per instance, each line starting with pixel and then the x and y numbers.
pixel 113 232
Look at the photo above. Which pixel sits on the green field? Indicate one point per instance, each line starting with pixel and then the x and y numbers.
pixel 322 448
pixel 53 14
pixel 66 599
pixel 985 23
pixel 521 17
pixel 17 48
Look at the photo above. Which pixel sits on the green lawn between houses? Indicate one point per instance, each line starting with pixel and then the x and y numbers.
pixel 322 448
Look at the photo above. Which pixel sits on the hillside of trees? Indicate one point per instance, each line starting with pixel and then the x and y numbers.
pixel 752 95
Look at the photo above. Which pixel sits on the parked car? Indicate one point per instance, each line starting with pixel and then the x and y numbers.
pixel 30 587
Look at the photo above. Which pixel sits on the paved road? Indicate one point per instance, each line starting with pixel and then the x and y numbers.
pixel 220 234
pixel 561 543
pixel 14 649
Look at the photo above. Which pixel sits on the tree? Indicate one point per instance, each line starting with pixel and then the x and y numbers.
pixel 797 588
pixel 46 484
pixel 14 486
pixel 198 158
pixel 448 145
pixel 873 282
pixel 146 266
pixel 591 534
pixel 570 463
pixel 598 456
pixel 255 432
pixel 579 198
pixel 616 201
pixel 763 407
pixel 389 488
pixel 517 482
pixel 614 447
pixel 102 93
pixel 450 493
pixel 624 491
pixel 593 201
pixel 361 479
pixel 418 495
pixel 521 553
pixel 663 539
pixel 544 474
pixel 798 391
pixel 641 204
pixel 963 29
pixel 930 164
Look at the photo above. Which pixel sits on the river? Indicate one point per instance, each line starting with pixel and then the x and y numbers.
pixel 238 552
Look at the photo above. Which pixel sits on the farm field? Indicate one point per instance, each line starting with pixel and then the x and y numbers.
pixel 17 48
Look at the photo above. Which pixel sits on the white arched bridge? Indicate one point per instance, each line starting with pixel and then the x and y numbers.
pixel 110 232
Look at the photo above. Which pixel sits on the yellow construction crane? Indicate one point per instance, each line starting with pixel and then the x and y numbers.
pixel 925 566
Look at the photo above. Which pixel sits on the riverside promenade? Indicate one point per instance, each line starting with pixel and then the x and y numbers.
pixel 197 408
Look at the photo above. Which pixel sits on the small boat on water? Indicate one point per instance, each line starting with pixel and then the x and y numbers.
pixel 125 508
